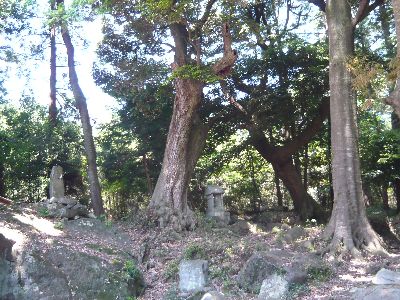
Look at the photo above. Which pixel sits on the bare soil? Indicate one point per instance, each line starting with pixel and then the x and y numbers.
pixel 158 252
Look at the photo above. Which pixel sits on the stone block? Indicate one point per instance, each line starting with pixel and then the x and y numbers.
pixel 275 287
pixel 385 276
pixel 193 275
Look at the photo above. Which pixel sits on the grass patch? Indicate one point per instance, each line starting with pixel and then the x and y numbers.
pixel 320 273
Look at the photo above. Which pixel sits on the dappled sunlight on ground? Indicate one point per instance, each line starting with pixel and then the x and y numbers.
pixel 12 234
pixel 41 225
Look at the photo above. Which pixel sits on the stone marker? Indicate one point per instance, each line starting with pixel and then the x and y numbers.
pixel 215 203
pixel 385 276
pixel 60 205
pixel 275 287
pixel 193 275
pixel 56 182
pixel 213 295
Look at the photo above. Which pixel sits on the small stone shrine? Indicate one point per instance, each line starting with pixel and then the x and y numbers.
pixel 215 204
pixel 60 205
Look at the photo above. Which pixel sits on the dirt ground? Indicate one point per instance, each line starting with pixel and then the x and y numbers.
pixel 158 252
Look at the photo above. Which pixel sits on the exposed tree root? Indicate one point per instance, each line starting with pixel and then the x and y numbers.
pixel 342 242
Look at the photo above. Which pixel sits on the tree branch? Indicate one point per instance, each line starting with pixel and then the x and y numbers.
pixel 364 9
pixel 304 137
pixel 320 3
pixel 204 18
pixel 224 66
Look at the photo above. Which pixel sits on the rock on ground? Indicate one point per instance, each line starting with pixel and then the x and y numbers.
pixel 385 276
pixel 213 295
pixel 275 287
pixel 377 292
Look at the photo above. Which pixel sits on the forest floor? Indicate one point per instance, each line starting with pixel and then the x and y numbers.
pixel 226 248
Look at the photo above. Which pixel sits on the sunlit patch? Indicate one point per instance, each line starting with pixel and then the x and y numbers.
pixel 352 278
pixel 41 225
pixel 12 234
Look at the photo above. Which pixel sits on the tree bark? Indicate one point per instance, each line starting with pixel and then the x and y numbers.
pixel 396 191
pixel 2 180
pixel 278 190
pixel 169 200
pixel 90 150
pixel 186 136
pixel 394 98
pixel 348 225
pixel 303 203
pixel 385 196
pixel 53 71
pixel 147 173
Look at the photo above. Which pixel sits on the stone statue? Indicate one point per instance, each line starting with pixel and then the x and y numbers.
pixel 215 204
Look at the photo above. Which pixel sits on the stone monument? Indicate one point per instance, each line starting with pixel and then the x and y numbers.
pixel 60 205
pixel 57 182
pixel 215 204
pixel 193 275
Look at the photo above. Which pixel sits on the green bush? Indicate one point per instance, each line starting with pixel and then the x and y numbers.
pixel 194 251
pixel 320 273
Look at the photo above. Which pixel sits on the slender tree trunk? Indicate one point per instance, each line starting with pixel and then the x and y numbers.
pixel 385 196
pixel 90 150
pixel 348 225
pixel 53 71
pixel 148 177
pixel 305 172
pixel 2 180
pixel 278 190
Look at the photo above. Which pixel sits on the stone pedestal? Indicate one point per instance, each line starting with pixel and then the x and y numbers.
pixel 215 204
pixel 193 275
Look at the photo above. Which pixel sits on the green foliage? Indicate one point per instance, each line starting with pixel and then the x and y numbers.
pixel 194 251
pixel 59 225
pixel 132 271
pixel 172 270
pixel 321 273
pixel 43 212
pixel 27 139
pixel 196 72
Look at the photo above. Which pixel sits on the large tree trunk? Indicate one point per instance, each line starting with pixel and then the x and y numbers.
pixel 90 150
pixel 394 97
pixel 169 200
pixel 348 225
pixel 186 136
pixel 303 203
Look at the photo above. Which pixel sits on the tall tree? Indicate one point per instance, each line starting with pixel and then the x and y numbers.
pixel 348 225
pixel 186 131
pixel 81 105
pixel 53 67
pixel 394 97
